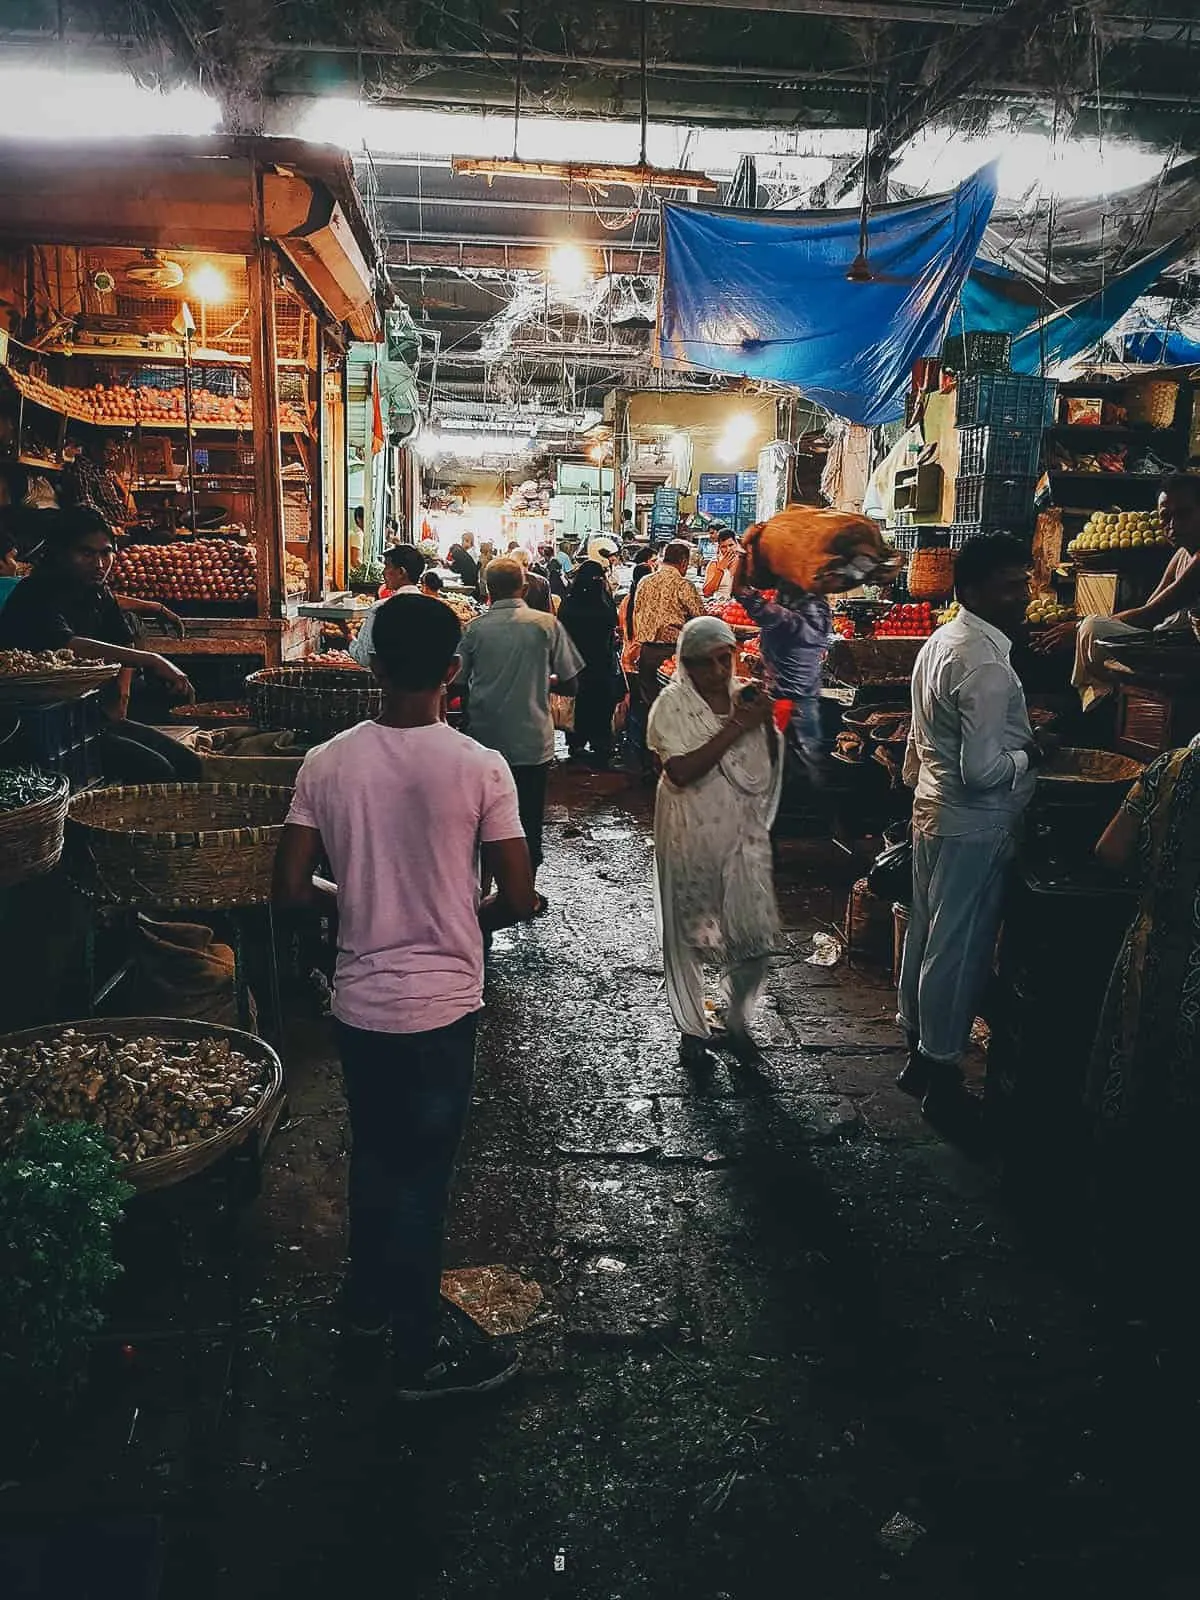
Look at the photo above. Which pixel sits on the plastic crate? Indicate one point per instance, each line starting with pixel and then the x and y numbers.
pixel 719 483
pixel 60 738
pixel 1009 452
pixel 747 483
pixel 960 532
pixel 917 536
pixel 1005 400
pixel 717 505
pixel 995 502
pixel 977 352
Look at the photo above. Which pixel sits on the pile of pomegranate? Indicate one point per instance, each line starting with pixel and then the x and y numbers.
pixel 190 569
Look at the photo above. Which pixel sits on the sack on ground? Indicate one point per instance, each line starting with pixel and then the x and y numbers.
pixel 180 971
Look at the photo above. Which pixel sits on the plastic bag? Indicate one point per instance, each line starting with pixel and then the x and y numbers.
pixel 890 877
pixel 562 712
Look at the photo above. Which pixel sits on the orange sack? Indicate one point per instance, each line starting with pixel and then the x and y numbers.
pixel 819 550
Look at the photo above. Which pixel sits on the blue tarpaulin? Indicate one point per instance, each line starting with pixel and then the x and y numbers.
pixel 1070 332
pixel 1162 347
pixel 762 295
pixel 996 300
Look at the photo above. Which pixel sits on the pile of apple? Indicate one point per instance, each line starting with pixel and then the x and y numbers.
pixel 191 569
pixel 913 621
pixel 1120 530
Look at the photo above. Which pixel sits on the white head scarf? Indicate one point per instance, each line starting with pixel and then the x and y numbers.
pixel 701 637
pixel 692 722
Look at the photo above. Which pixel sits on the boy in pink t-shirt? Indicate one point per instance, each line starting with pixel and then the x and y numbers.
pixel 404 810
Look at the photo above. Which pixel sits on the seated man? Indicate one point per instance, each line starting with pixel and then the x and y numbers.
pixel 1167 609
pixel 402 569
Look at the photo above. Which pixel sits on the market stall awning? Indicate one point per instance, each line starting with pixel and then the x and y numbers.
pixel 763 295
pixel 198 194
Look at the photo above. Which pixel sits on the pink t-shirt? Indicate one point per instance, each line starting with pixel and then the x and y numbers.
pixel 402 813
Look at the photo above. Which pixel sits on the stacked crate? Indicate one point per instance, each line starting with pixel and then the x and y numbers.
pixel 1000 417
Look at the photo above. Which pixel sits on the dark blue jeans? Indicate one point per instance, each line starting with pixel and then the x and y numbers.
pixel 409 1095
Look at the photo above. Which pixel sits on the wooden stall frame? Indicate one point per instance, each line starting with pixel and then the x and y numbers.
pixel 235 209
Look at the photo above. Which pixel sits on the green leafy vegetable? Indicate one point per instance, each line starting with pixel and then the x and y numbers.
pixel 60 1194
pixel 23 786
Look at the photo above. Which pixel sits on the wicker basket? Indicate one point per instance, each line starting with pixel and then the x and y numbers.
pixel 158 1172
pixel 177 844
pixel 318 701
pixel 49 688
pixel 931 574
pixel 1152 404
pixel 212 714
pixel 31 837
pixel 1075 766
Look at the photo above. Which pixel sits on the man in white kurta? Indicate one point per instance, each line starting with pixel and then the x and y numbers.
pixel 969 759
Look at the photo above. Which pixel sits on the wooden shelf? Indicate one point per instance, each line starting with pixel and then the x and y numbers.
pixel 1151 478
pixel 152 358
pixel 147 424
pixel 34 462
pixel 1124 430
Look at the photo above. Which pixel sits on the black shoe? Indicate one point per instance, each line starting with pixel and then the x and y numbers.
pixel 742 1048
pixel 697 1052
pixel 459 1328
pixel 954 1112
pixel 476 1369
pixel 917 1075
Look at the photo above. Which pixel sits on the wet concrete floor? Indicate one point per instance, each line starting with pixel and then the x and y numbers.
pixel 779 1312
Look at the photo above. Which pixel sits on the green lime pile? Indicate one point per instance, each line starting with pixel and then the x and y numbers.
pixel 1046 610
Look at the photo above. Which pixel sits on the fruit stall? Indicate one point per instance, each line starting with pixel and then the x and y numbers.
pixel 172 348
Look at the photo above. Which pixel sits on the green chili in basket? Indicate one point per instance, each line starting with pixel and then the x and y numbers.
pixel 22 786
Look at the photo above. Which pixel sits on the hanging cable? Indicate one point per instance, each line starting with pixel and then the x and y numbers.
pixel 520 76
pixel 645 88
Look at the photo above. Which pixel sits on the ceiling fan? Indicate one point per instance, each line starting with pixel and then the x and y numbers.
pixel 860 269
pixel 153 270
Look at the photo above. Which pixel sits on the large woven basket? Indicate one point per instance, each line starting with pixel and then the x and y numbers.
pixel 931 574
pixel 318 701
pixel 158 1172
pixel 1076 766
pixel 1153 404
pixel 177 844
pixel 48 688
pixel 31 837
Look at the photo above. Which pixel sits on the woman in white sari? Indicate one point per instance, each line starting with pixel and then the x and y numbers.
pixel 717 798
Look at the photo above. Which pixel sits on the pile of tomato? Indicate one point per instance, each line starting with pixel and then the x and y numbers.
pixel 913 621
pixel 733 612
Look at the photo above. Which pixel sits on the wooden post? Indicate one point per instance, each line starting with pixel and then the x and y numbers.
pixel 264 403
pixel 316 554
pixel 347 510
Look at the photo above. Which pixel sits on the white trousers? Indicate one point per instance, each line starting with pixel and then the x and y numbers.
pixel 1091 675
pixel 958 896
pixel 684 972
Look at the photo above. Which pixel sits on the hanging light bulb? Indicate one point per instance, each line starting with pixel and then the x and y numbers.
pixel 208 284
pixel 569 267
